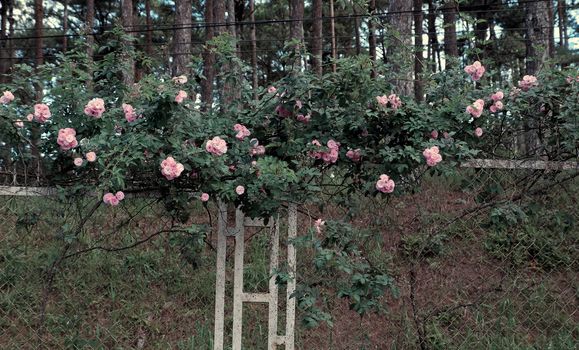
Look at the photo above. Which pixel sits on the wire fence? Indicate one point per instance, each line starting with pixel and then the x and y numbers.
pixel 481 260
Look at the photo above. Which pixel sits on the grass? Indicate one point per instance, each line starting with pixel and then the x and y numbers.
pixel 158 296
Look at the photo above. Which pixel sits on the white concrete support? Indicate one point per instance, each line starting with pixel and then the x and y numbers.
pixel 220 276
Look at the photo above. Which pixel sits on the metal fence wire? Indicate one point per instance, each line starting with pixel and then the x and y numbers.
pixel 486 259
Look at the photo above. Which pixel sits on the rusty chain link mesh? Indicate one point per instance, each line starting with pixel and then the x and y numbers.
pixel 486 261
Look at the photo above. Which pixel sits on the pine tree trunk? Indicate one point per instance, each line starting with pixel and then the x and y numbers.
pixel 356 29
pixel 65 26
pixel 208 59
pixel 4 54
pixel 182 38
pixel 562 14
pixel 333 36
pixel 253 38
pixel 38 30
pixel 401 20
pixel 127 21
pixel 89 39
pixel 317 40
pixel 372 35
pixel 297 19
pixel 449 23
pixel 537 34
pixel 551 29
pixel 418 56
pixel 149 26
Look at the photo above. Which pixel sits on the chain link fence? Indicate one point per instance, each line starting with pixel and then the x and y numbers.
pixel 486 259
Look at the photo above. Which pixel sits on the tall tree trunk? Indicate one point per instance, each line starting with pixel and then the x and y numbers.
pixel 127 21
pixel 182 37
pixel 89 39
pixel 297 21
pixel 4 54
pixel 418 56
pixel 432 37
pixel 208 58
pixel 65 26
pixel 449 23
pixel 317 40
pixel 372 35
pixel 537 34
pixel 551 29
pixel 333 36
pixel 38 30
pixel 400 19
pixel 253 38
pixel 356 29
pixel 149 27
pixel 562 14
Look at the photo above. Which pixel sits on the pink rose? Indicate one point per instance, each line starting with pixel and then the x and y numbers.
pixel 171 169
pixel 181 95
pixel 432 156
pixel 6 97
pixel 130 114
pixel 299 104
pixel 354 154
pixel 242 131
pixel 271 90
pixel 77 161
pixel 240 190
pixel 434 134
pixel 475 70
pixel 256 148
pixel 182 79
pixel 110 199
pixel 282 111
pixel 497 106
pixel 319 225
pixel 216 146
pixel 204 197
pixel 95 108
pixel 478 132
pixel 41 112
pixel 528 82
pixel 30 117
pixel 120 195
pixel 385 184
pixel 91 156
pixel 67 139
pixel 476 108
pixel 497 96
pixel 382 100
pixel 395 101
pixel 304 118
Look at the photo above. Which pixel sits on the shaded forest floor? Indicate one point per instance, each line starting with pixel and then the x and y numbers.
pixel 464 283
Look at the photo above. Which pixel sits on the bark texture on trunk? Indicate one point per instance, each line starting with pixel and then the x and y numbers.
pixel 333 35
pixel 208 58
pixel 149 26
pixel 127 21
pixel 449 22
pixel 418 56
pixel 182 38
pixel 400 19
pixel 537 34
pixel 65 26
pixel 562 14
pixel 38 30
pixel 89 38
pixel 372 34
pixel 253 38
pixel 317 36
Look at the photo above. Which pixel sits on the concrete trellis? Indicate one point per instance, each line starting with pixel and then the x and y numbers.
pixel 239 296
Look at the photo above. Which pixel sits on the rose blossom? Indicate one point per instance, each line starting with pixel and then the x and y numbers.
pixel 77 161
pixel 282 111
pixel 299 104
pixel 497 106
pixel 171 169
pixel 242 131
pixel 382 100
pixel 130 114
pixel 6 97
pixel 271 90
pixel 91 156
pixel 181 95
pixel 475 70
pixel 240 190
pixel 41 112
pixel 204 197
pixel 216 146
pixel 304 118
pixel 497 96
pixel 528 82
pixel 67 139
pixel 395 101
pixel 385 184
pixel 432 156
pixel 30 117
pixel 434 134
pixel 110 199
pixel 95 108
pixel 354 154
pixel 182 79
pixel 120 195
pixel 256 148
pixel 319 225
pixel 478 132
pixel 332 155
pixel 476 108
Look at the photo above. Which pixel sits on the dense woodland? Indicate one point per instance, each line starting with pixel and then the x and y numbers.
pixel 515 35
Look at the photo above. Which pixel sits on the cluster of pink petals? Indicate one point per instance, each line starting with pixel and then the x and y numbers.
pixel 299 104
pixel 91 156
pixel 182 79
pixel 478 132
pixel 434 134
pixel 240 190
pixel 528 82
pixel 256 148
pixel 271 90
pixel 204 197
pixel 475 70
pixel 171 169
pixel 498 104
pixel 113 199
pixel 385 184
pixel 130 114
pixel 67 139
pixel 354 154
pixel 282 111
pixel 304 118
pixel 432 156
pixel 476 108
pixel 216 146
pixel 181 95
pixel 330 156
pixel 242 131
pixel 41 112
pixel 78 161
pixel 95 108
pixel 569 79
pixel 319 225
pixel 6 97
pixel 393 99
